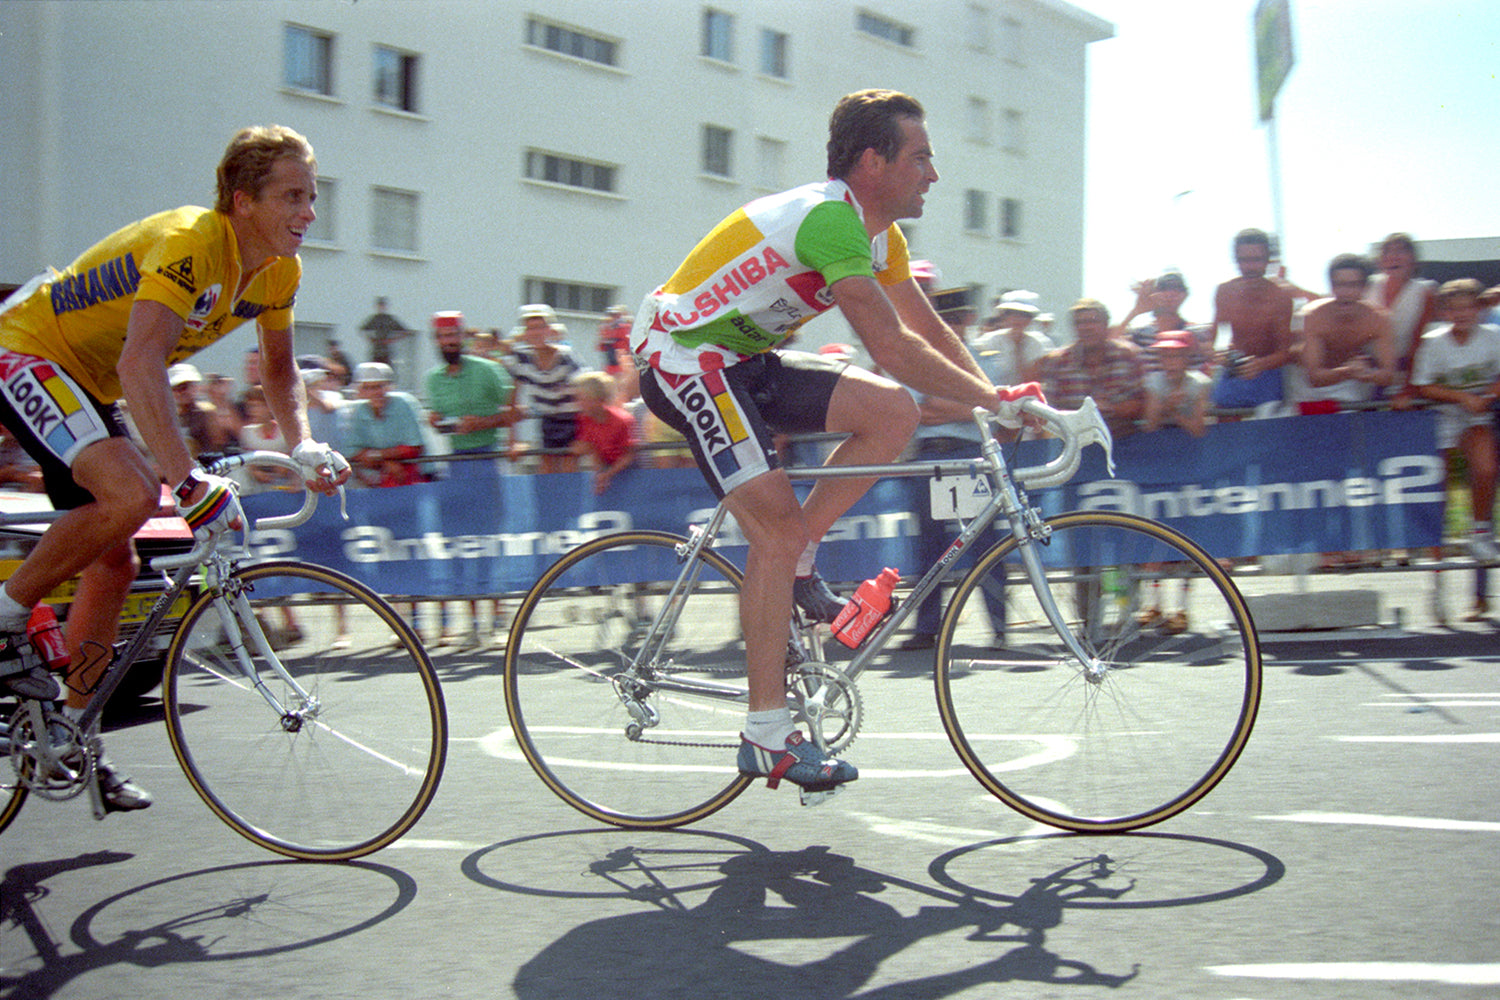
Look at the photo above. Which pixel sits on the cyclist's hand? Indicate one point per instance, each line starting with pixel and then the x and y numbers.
pixel 324 469
pixel 1010 402
pixel 214 513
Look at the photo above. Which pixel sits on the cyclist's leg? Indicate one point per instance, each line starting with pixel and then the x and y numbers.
pixel 94 617
pixel 879 416
pixel 775 527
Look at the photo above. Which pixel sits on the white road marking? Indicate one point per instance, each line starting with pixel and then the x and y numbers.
pixel 1439 738
pixel 1406 822
pixel 1448 973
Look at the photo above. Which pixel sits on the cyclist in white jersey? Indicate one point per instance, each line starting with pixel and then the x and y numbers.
pixel 706 343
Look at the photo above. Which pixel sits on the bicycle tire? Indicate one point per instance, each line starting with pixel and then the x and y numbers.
pixel 354 775
pixel 13 790
pixel 561 682
pixel 1148 737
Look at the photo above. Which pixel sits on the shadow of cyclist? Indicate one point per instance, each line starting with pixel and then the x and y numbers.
pixel 790 921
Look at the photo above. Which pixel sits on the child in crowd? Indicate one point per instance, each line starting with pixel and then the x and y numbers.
pixel 605 431
pixel 1458 366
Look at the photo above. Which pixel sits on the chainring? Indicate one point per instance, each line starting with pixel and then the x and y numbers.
pixel 826 700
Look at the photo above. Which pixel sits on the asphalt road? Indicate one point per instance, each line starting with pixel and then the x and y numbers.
pixel 1349 854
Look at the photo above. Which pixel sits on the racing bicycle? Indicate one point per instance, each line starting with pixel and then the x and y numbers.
pixel 1056 682
pixel 303 709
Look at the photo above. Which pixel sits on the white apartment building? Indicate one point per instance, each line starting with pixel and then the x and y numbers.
pixel 481 154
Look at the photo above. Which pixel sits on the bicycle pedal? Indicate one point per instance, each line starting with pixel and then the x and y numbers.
pixel 818 796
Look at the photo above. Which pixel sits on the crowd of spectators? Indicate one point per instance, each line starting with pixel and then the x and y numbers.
pixel 530 401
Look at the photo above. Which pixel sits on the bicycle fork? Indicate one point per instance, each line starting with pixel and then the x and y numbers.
pixel 237 618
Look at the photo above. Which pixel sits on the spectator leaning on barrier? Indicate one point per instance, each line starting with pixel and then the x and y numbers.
pixel 468 398
pixel 605 431
pixel 1458 366
pixel 543 365
pixel 385 430
pixel 1411 301
pixel 1176 392
pixel 1347 350
pixel 1097 365
pixel 1009 353
pixel 1258 312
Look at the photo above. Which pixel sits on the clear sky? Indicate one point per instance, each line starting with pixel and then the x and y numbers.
pixel 1390 120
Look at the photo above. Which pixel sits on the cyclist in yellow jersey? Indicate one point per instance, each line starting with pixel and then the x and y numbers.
pixel 73 344
pixel 707 341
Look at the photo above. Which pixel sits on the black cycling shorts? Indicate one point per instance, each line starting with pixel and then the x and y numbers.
pixel 730 416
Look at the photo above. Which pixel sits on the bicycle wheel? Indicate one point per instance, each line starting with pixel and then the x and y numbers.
pixel 1158 720
pixel 636 745
pixel 12 789
pixel 352 756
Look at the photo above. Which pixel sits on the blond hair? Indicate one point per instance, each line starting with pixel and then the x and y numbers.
pixel 250 156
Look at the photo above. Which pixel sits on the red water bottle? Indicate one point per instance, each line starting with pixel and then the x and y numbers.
pixel 871 602
pixel 47 638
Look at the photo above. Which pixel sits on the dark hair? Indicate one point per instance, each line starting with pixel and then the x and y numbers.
pixel 1252 237
pixel 250 156
pixel 1350 262
pixel 867 119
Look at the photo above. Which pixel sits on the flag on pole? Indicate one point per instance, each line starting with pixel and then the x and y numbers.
pixel 1273 51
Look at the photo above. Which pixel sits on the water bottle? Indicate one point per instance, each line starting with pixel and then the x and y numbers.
pixel 871 603
pixel 46 637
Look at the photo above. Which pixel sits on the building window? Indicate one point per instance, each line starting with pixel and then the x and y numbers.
pixel 718 151
pixel 395 220
pixel 774 56
pixel 977 125
pixel 1014 137
pixel 570 296
pixel 979 28
pixel 395 79
pixel 1010 218
pixel 572 42
pixel 770 164
pixel 553 169
pixel 976 211
pixel 718 35
pixel 884 28
pixel 308 60
pixel 324 228
pixel 312 338
pixel 1013 41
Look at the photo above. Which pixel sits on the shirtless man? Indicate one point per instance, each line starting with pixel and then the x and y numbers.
pixel 1347 349
pixel 1259 314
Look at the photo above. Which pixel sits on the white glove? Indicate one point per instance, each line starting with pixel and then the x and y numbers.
pixel 216 512
pixel 1011 396
pixel 319 461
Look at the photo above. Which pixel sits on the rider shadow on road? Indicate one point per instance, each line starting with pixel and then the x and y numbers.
pixel 791 921
pixel 227 913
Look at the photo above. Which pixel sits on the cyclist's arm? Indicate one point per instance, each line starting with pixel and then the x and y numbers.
pixel 150 336
pixel 916 312
pixel 285 394
pixel 908 358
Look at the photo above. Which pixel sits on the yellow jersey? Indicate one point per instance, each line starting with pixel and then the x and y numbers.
pixel 188 259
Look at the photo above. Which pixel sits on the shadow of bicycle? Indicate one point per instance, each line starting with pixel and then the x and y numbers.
pixel 718 909
pixel 231 912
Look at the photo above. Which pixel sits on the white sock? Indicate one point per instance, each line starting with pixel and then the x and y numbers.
pixel 72 713
pixel 13 615
pixel 769 729
pixel 806 560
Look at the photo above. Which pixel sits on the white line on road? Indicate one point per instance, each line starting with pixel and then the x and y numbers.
pixel 1439 738
pixel 1407 822
pixel 1448 973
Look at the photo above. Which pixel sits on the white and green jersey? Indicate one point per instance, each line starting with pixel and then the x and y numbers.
pixel 759 275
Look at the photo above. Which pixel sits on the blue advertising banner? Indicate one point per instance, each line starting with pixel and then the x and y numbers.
pixel 1339 482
